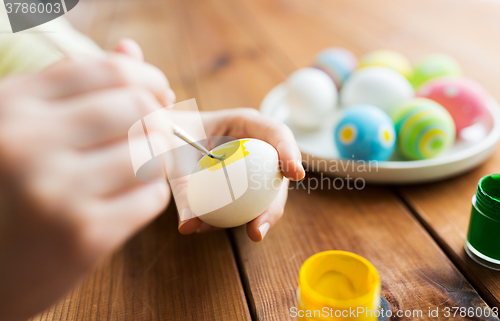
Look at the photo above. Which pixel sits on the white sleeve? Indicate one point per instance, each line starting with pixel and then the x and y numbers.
pixel 32 50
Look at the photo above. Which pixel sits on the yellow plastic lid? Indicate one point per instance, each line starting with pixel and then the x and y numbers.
pixel 338 280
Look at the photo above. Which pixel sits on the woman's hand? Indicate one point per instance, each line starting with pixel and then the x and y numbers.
pixel 68 194
pixel 248 123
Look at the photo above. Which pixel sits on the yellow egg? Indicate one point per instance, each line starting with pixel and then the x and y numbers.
pixel 235 190
pixel 390 59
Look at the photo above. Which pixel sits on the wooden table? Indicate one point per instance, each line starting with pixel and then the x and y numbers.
pixel 230 53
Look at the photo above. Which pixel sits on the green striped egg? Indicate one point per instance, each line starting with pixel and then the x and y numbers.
pixel 424 129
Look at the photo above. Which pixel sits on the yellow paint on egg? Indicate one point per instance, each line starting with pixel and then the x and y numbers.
pixel 348 134
pixel 387 135
pixel 250 180
pixel 233 151
pixel 431 139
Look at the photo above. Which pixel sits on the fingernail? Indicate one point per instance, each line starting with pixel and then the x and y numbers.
pixel 263 229
pixel 299 164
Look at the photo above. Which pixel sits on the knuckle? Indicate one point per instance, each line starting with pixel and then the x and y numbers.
pixel 279 129
pixel 92 118
pixel 117 69
pixel 144 100
pixel 161 76
pixel 283 128
pixel 244 115
pixel 284 131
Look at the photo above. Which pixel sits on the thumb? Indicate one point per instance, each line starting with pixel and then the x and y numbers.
pixel 129 48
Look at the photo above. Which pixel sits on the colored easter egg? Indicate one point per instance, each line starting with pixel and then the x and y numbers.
pixel 378 86
pixel 425 129
pixel 239 188
pixel 390 59
pixel 311 95
pixel 464 98
pixel 365 132
pixel 338 63
pixel 435 66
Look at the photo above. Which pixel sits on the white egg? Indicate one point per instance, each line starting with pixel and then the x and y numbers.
pixel 236 190
pixel 378 86
pixel 311 95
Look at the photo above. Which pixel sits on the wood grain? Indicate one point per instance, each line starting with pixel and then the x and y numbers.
pixel 425 277
pixel 416 275
pixel 444 208
pixel 464 31
pixel 159 274
pixel 227 54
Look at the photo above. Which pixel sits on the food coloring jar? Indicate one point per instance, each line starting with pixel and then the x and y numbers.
pixel 483 236
pixel 338 285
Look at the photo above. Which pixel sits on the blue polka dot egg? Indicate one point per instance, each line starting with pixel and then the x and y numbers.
pixel 365 132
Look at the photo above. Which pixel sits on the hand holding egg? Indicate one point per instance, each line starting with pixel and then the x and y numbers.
pixel 235 190
pixel 269 139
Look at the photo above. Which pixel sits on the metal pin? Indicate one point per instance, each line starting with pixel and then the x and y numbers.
pixel 185 137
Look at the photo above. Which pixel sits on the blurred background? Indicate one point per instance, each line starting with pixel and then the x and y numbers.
pixel 228 53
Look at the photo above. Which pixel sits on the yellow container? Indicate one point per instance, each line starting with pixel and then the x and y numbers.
pixel 338 285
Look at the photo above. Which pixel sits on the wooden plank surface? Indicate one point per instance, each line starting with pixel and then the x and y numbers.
pixel 464 30
pixel 159 274
pixel 444 208
pixel 228 53
pixel 416 274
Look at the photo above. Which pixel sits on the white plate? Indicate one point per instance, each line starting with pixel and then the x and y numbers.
pixel 472 148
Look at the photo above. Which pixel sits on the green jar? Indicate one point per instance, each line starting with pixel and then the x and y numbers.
pixel 483 237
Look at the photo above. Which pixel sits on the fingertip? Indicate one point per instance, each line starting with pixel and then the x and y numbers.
pixel 189 226
pixel 130 48
pixel 253 232
pixel 258 228
pixel 171 97
pixel 294 171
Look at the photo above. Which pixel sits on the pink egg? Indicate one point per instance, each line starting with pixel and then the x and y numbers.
pixel 464 98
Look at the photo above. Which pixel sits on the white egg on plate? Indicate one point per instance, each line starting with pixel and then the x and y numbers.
pixel 233 191
pixel 311 95
pixel 379 86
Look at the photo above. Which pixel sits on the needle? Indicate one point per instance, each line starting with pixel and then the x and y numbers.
pixel 185 137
